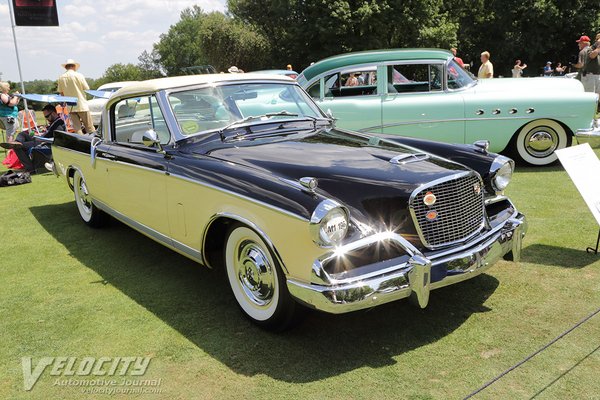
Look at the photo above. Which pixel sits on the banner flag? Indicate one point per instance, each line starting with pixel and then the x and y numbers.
pixel 35 12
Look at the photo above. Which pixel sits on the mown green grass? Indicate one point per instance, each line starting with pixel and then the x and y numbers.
pixel 68 290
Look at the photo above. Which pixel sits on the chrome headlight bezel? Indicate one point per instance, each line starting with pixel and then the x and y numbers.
pixel 501 172
pixel 329 223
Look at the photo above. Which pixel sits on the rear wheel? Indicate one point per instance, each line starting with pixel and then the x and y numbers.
pixel 257 281
pixel 90 214
pixel 536 142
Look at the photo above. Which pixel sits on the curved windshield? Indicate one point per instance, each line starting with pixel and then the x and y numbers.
pixel 458 77
pixel 210 108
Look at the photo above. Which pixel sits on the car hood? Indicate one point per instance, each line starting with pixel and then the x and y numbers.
pixel 356 170
pixel 528 85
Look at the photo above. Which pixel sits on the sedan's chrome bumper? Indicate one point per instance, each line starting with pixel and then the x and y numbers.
pixel 412 278
pixel 591 136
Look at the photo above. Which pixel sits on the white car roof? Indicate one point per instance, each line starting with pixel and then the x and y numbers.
pixel 155 85
pixel 116 84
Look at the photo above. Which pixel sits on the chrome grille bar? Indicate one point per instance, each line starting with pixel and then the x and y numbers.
pixel 457 213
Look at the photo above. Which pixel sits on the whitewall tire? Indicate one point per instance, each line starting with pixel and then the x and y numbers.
pixel 257 281
pixel 90 214
pixel 537 141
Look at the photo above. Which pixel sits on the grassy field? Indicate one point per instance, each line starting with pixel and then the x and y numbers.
pixel 67 290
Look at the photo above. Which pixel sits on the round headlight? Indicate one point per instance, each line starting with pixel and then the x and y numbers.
pixel 501 173
pixel 329 223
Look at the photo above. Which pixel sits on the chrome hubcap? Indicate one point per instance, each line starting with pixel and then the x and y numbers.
pixel 541 142
pixel 255 273
pixel 84 196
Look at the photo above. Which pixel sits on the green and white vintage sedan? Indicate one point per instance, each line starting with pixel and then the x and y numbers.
pixel 424 93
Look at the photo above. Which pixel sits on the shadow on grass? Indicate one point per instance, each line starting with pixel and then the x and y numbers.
pixel 197 302
pixel 543 254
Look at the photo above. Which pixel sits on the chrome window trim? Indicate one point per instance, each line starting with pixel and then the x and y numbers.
pixel 437 182
pixel 110 112
pixel 165 93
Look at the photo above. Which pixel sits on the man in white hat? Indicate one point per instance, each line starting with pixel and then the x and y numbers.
pixel 73 84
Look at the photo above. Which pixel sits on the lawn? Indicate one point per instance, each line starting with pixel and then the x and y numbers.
pixel 68 290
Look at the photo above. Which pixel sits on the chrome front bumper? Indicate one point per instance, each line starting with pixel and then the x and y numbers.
pixel 591 136
pixel 411 278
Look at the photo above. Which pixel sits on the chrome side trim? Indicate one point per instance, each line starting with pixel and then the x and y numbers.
pixel 151 233
pixel 245 221
pixel 429 121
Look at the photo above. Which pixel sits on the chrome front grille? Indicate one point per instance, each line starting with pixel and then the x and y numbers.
pixel 456 214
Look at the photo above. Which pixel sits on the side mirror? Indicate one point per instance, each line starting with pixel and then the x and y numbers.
pixel 150 139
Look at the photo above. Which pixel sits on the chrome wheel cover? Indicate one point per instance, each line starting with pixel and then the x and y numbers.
pixel 254 272
pixel 84 202
pixel 541 141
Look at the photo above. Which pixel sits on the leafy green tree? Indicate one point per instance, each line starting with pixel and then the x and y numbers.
pixel 119 73
pixel 227 42
pixel 149 63
pixel 201 38
pixel 303 31
pixel 535 32
pixel 181 46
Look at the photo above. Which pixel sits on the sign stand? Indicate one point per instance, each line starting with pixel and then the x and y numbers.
pixel 581 163
pixel 591 250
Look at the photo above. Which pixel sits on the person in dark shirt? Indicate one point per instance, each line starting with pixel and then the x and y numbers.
pixel 33 151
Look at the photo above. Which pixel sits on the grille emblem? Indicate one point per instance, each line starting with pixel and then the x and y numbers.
pixel 477 188
pixel 429 199
pixel 431 215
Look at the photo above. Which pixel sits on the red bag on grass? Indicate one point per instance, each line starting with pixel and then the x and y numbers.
pixel 12 161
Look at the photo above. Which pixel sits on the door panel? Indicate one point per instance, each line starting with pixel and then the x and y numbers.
pixel 137 185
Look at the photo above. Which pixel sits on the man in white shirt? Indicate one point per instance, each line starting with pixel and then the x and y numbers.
pixel 73 84
pixel 487 69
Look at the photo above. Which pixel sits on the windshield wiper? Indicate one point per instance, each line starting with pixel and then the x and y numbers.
pixel 255 118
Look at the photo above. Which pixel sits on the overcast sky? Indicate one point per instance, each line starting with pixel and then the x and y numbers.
pixel 96 33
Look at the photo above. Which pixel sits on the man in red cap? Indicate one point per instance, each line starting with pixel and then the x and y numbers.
pixel 587 63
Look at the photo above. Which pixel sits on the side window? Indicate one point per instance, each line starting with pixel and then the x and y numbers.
pixel 315 90
pixel 135 116
pixel 357 82
pixel 409 78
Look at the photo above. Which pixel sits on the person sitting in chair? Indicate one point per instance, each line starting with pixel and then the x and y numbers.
pixel 33 152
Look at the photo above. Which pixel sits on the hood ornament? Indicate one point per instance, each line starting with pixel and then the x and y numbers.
pixel 309 183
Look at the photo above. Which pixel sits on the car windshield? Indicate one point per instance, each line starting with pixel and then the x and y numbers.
pixel 458 77
pixel 217 107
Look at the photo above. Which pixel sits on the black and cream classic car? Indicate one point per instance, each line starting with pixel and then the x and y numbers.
pixel 245 172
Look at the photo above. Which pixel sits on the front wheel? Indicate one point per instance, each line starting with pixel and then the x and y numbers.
pixel 90 214
pixel 257 281
pixel 537 141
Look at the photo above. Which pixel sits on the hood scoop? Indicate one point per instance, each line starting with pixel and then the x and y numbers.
pixel 409 158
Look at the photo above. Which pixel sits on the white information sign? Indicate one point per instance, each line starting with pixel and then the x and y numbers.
pixel 583 167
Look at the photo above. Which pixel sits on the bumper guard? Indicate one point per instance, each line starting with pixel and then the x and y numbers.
pixel 413 278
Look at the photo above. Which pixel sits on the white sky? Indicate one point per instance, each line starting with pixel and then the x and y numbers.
pixel 96 33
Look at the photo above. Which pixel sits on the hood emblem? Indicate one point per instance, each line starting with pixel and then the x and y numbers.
pixel 477 188
pixel 431 215
pixel 429 199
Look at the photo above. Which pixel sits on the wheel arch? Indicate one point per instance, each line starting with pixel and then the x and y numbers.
pixel 215 235
pixel 513 138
